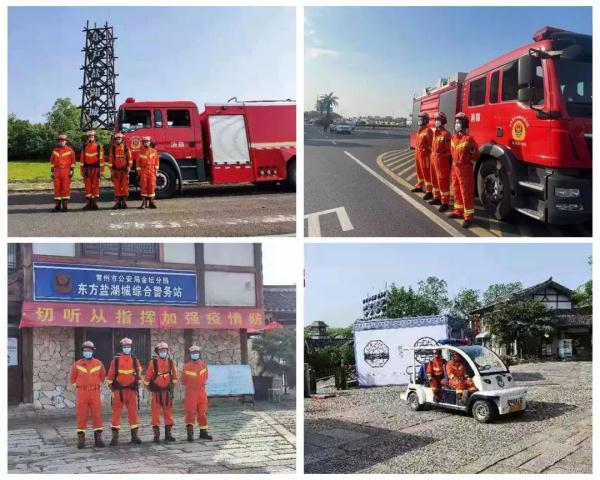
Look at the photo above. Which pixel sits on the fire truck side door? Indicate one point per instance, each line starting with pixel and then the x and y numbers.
pixel 228 140
pixel 180 139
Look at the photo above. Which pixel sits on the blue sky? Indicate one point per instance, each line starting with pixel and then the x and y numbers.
pixel 375 59
pixel 339 276
pixel 200 54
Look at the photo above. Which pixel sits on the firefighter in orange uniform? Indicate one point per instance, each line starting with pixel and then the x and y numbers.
pixel 62 163
pixel 87 375
pixel 92 168
pixel 146 165
pixel 440 163
pixel 160 379
pixel 120 163
pixel 422 157
pixel 194 377
pixel 458 378
pixel 465 153
pixel 435 374
pixel 124 376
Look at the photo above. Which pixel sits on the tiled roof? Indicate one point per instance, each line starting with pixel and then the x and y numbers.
pixel 280 298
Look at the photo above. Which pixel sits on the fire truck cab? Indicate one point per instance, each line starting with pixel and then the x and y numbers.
pixel 233 142
pixel 530 111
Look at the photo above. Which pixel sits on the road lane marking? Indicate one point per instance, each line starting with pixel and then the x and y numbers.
pixel 333 141
pixel 200 222
pixel 419 206
pixel 406 170
pixel 314 226
pixel 411 176
pixel 403 164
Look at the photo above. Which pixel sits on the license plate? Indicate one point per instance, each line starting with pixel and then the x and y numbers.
pixel 515 404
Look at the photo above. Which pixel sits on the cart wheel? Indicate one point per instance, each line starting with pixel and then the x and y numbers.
pixel 484 411
pixel 413 402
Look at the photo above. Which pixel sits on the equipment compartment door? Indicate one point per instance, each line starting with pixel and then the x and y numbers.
pixel 228 140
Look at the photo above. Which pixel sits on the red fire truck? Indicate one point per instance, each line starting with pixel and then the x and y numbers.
pixel 232 142
pixel 530 111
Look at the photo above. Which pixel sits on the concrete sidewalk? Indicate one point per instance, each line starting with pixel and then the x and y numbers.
pixel 246 439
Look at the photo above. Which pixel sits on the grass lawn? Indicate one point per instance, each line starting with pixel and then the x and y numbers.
pixel 36 171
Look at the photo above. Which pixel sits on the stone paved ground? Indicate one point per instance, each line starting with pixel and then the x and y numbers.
pixel 373 431
pixel 246 439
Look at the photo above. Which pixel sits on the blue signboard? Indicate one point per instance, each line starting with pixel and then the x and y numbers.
pixel 61 282
pixel 224 380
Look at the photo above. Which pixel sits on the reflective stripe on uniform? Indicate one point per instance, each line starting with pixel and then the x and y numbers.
pixel 95 369
pixel 81 369
pixel 125 372
pixel 189 372
pixel 54 152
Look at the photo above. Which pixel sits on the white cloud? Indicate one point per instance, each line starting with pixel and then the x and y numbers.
pixel 312 53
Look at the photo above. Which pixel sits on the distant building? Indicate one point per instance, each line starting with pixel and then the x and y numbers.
pixel 280 304
pixel 572 336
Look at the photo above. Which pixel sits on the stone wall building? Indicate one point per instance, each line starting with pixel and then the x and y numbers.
pixel 227 300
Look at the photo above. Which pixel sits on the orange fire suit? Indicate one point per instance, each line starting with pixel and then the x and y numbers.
pixel 146 165
pixel 435 374
pixel 440 164
pixel 159 384
pixel 87 376
pixel 120 162
pixel 422 158
pixel 62 161
pixel 465 153
pixel 194 377
pixel 92 167
pixel 124 381
pixel 457 377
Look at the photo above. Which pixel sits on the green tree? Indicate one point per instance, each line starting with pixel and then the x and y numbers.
pixel 583 295
pixel 523 321
pixel 402 302
pixel 500 291
pixel 343 332
pixel 64 116
pixel 436 290
pixel 276 351
pixel 465 301
pixel 328 102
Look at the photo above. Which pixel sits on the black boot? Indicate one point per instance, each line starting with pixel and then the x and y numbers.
pixel 94 204
pixel 190 433
pixel 123 203
pixel 65 205
pixel 455 216
pixel 134 436
pixel 152 204
pixel 117 204
pixel 443 207
pixel 204 434
pixel 56 206
pixel 435 201
pixel 115 437
pixel 88 205
pixel 467 223
pixel 416 189
pixel 168 436
pixel 98 442
pixel 144 203
pixel 80 439
pixel 156 430
pixel 428 196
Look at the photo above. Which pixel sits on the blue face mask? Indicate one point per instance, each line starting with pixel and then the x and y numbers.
pixel 126 350
pixel 87 355
pixel 162 354
pixel 195 356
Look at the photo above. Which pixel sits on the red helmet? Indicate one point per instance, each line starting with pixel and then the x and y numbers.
pixel 463 119
pixel 63 136
pixel 425 117
pixel 161 346
pixel 119 135
pixel 194 348
pixel 88 344
pixel 442 117
pixel 126 341
pixel 91 133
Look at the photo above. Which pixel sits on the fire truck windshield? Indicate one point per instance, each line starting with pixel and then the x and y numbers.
pixel 574 68
pixel 133 119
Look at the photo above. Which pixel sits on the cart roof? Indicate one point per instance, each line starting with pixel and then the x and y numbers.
pixel 406 322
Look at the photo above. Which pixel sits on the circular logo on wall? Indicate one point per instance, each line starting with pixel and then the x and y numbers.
pixel 424 356
pixel 376 353
pixel 519 131
pixel 136 143
pixel 62 283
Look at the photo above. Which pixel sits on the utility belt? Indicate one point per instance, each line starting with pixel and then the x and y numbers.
pixel 89 166
pixel 159 391
pixel 117 386
pixel 63 167
pixel 88 388
pixel 122 169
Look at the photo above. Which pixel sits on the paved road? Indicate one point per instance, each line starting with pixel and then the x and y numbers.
pixel 255 440
pixel 358 185
pixel 373 431
pixel 197 212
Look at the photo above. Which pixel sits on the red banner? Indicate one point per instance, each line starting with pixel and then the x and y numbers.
pixel 52 314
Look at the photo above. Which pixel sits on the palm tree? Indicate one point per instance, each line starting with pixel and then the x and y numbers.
pixel 329 101
pixel 320 106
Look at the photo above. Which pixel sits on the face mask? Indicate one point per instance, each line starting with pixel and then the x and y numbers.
pixel 162 354
pixel 91 139
pixel 438 123
pixel 195 356
pixel 62 143
pixel 126 350
pixel 87 355
pixel 458 127
pixel 119 141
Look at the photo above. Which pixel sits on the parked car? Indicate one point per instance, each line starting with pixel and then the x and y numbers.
pixel 340 128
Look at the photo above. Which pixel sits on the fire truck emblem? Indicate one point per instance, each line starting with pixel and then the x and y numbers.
pixel 136 143
pixel 62 283
pixel 424 356
pixel 376 353
pixel 519 131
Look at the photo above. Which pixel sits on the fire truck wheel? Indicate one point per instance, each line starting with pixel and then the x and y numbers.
pixel 494 190
pixel 291 180
pixel 166 181
pixel 413 402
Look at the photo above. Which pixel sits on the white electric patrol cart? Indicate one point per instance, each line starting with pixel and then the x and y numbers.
pixel 496 392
